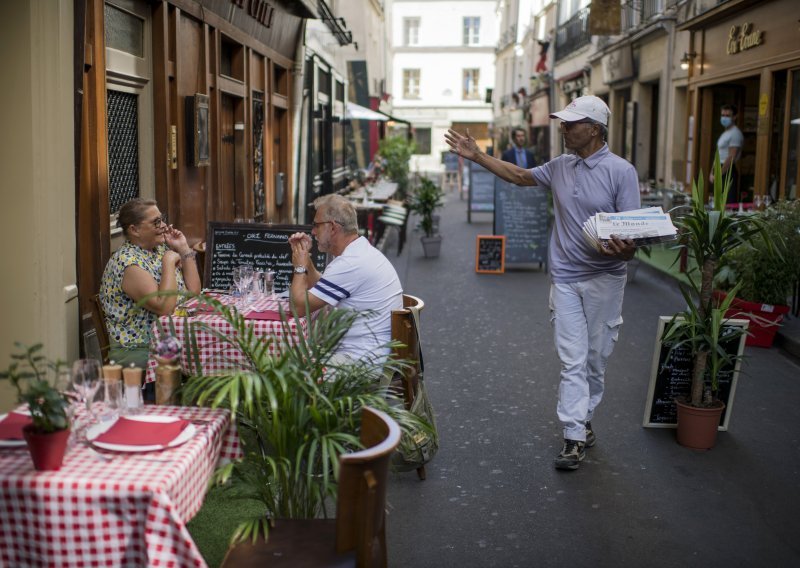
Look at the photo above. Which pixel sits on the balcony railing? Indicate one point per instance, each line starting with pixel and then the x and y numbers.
pixel 573 34
pixel 508 37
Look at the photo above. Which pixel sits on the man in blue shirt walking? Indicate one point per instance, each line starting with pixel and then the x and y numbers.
pixel 587 286
pixel 519 155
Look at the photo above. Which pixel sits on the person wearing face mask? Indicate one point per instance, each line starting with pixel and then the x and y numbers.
pixel 729 146
pixel 154 258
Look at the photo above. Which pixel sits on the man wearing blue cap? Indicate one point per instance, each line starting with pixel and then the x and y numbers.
pixel 587 286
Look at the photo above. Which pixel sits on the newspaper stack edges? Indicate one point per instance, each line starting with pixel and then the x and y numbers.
pixel 645 226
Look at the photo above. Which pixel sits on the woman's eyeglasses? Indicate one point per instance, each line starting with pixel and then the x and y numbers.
pixel 158 221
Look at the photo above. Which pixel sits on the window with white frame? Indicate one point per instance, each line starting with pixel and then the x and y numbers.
pixel 410 31
pixel 470 79
pixel 410 83
pixel 472 30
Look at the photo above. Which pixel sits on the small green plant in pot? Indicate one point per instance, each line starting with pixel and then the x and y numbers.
pixel 397 152
pixel 424 201
pixel 708 233
pixel 34 376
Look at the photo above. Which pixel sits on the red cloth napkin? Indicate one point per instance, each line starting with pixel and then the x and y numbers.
pixel 269 315
pixel 140 433
pixel 11 426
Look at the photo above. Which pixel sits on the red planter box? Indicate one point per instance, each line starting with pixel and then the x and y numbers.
pixel 765 319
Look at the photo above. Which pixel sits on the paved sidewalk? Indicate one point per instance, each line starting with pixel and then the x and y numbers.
pixel 493 498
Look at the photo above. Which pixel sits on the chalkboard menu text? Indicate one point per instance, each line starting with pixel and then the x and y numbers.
pixel 671 377
pixel 481 190
pixel 522 215
pixel 490 254
pixel 265 247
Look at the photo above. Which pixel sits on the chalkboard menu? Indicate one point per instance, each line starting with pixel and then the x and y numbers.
pixel 265 247
pixel 450 161
pixel 671 377
pixel 481 190
pixel 521 214
pixel 490 254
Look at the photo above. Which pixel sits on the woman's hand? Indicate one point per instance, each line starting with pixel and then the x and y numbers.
pixel 176 240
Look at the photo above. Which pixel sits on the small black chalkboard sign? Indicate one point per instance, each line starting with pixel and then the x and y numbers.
pixel 671 377
pixel 490 254
pixel 481 190
pixel 265 247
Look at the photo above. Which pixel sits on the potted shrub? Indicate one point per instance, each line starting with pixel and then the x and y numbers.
pixel 34 376
pixel 397 151
pixel 707 233
pixel 296 413
pixel 766 279
pixel 424 201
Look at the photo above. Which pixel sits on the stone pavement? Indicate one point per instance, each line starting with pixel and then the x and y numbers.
pixel 493 498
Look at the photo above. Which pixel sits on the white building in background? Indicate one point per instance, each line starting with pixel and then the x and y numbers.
pixel 443 54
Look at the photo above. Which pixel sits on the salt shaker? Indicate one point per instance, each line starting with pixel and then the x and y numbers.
pixel 133 390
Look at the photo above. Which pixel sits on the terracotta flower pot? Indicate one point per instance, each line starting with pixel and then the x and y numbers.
pixel 47 449
pixel 697 427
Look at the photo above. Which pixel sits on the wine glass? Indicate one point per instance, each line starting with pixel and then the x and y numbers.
pixel 86 379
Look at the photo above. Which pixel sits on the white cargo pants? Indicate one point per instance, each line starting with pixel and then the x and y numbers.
pixel 586 318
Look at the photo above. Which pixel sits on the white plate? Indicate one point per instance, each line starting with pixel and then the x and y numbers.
pixel 12 443
pixel 95 430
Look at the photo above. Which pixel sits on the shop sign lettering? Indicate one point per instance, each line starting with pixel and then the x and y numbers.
pixel 743 37
pixel 263 12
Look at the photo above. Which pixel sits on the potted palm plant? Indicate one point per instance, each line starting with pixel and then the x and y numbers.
pixel 424 201
pixel 296 412
pixel 34 376
pixel 765 279
pixel 708 233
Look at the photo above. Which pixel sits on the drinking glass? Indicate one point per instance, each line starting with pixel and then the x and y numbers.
pixel 242 281
pixel 86 380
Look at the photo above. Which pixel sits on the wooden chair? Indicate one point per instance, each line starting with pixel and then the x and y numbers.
pixel 357 537
pixel 404 330
pixel 99 321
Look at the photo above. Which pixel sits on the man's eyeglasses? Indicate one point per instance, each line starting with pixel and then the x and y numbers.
pixel 316 224
pixel 158 221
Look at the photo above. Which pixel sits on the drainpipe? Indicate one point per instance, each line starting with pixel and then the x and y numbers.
pixel 299 96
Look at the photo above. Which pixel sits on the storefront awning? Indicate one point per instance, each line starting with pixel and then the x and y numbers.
pixel 358 112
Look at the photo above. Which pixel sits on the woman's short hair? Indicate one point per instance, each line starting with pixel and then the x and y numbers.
pixel 134 212
pixel 339 209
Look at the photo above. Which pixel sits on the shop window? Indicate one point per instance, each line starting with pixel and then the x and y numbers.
pixel 123 148
pixel 410 31
pixel 472 30
pixel 280 80
pixel 410 83
pixel 470 79
pixel 231 59
pixel 124 31
pixel 422 140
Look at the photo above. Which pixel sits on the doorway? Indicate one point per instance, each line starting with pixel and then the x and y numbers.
pixel 232 170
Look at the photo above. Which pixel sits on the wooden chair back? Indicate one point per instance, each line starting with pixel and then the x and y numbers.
pixel 99 321
pixel 361 504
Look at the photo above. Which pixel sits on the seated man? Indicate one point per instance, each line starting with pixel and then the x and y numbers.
pixel 359 278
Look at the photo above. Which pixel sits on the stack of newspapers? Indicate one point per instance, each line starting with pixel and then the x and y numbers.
pixel 645 226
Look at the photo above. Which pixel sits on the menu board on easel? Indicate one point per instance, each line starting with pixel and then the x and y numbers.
pixel 481 190
pixel 671 377
pixel 490 254
pixel 263 246
pixel 522 215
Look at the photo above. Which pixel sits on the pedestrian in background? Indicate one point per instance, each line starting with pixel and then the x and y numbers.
pixel 587 286
pixel 729 145
pixel 518 154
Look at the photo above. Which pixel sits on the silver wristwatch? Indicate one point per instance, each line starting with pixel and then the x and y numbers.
pixel 300 270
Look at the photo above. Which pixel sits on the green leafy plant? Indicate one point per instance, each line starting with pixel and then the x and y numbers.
pixel 397 151
pixel 766 277
pixel 34 377
pixel 297 412
pixel 708 233
pixel 424 201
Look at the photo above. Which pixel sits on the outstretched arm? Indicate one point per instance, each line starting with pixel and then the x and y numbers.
pixel 465 146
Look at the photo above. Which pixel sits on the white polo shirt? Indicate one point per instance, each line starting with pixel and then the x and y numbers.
pixel 362 279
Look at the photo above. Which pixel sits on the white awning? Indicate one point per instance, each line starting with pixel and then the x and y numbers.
pixel 358 112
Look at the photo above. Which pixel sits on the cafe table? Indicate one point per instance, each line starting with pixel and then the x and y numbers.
pixel 105 508
pixel 380 191
pixel 216 356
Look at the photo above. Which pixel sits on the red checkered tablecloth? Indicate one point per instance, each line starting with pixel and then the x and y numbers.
pixel 129 511
pixel 216 356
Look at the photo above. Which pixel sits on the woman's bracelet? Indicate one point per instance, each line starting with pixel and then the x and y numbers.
pixel 188 255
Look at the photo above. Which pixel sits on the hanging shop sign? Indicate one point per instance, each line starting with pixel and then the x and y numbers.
pixel 742 38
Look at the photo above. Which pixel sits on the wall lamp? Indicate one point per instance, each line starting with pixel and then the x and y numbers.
pixel 686 60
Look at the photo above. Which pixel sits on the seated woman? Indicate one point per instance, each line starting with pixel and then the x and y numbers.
pixel 155 257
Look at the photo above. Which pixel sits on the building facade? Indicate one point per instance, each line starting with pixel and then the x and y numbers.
pixel 442 66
